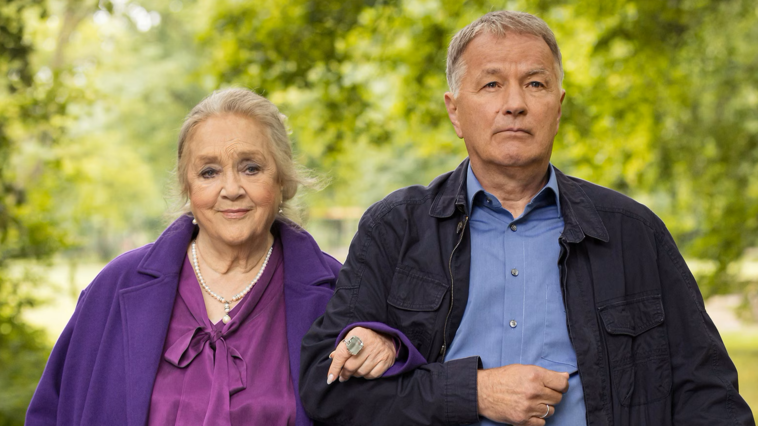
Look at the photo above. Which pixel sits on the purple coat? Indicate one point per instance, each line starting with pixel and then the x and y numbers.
pixel 103 366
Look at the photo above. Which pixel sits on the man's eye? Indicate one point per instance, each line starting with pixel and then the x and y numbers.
pixel 491 85
pixel 536 84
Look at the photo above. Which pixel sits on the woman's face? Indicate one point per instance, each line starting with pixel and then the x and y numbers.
pixel 233 182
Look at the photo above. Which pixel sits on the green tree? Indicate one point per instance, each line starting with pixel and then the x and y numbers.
pixel 661 100
pixel 25 231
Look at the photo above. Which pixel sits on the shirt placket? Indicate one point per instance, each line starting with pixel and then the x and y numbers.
pixel 513 314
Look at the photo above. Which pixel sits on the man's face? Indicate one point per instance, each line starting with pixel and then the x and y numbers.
pixel 509 101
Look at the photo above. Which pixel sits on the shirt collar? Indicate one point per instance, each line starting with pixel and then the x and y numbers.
pixel 473 187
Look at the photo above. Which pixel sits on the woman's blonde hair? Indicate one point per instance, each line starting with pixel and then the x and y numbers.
pixel 249 104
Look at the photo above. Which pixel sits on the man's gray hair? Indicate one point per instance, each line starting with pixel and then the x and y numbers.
pixel 497 23
pixel 248 104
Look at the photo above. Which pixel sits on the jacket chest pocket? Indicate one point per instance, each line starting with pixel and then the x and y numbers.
pixel 414 301
pixel 638 349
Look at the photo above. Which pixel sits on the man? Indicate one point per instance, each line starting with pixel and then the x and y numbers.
pixel 532 297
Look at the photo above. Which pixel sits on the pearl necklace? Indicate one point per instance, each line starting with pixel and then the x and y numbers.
pixel 237 296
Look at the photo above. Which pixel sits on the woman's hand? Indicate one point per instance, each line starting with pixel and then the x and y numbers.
pixel 376 356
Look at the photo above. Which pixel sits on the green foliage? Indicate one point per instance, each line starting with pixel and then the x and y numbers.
pixel 24 232
pixel 743 350
pixel 362 83
pixel 23 349
pixel 659 116
pixel 33 118
pixel 661 100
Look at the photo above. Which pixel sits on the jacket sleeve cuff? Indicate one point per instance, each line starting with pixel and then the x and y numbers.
pixel 460 390
pixel 408 357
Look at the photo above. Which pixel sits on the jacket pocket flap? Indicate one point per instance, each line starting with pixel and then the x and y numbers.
pixel 634 316
pixel 414 290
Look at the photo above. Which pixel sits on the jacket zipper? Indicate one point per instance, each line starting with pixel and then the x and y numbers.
pixel 562 264
pixel 462 230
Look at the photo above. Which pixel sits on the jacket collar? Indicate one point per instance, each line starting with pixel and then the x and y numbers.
pixel 166 256
pixel 146 311
pixel 308 281
pixel 306 261
pixel 579 213
pixel 451 194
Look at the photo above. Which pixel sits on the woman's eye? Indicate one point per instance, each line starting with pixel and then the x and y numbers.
pixel 252 169
pixel 208 173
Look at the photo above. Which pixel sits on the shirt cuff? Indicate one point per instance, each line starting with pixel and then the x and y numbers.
pixel 408 357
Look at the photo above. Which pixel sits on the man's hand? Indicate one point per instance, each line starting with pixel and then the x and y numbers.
pixel 519 394
pixel 376 357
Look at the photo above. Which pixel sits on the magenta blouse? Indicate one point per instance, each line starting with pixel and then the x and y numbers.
pixel 249 382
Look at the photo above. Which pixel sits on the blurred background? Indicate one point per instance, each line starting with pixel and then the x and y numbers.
pixel 662 105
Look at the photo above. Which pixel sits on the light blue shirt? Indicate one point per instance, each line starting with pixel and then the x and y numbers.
pixel 515 312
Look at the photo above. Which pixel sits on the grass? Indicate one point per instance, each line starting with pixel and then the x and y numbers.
pixel 743 349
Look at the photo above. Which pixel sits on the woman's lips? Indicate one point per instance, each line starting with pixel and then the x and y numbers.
pixel 234 213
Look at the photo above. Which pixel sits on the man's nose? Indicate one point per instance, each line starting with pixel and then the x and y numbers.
pixel 514 102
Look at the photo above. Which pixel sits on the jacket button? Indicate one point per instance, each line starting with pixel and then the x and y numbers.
pixel 514 272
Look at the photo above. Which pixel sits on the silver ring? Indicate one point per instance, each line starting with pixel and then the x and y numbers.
pixel 354 345
pixel 546 412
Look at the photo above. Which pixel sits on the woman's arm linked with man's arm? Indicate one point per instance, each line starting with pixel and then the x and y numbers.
pixel 433 393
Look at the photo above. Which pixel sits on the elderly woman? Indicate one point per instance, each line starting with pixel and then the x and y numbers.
pixel 204 326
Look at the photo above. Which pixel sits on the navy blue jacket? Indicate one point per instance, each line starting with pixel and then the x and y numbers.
pixel 647 352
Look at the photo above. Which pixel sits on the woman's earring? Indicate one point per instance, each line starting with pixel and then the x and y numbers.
pixel 194 221
pixel 280 210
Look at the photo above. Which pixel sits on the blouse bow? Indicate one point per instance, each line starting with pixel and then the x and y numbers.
pixel 229 373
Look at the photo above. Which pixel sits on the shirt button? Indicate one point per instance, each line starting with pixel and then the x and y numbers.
pixel 514 272
pixel 513 227
pixel 513 323
pixel 489 200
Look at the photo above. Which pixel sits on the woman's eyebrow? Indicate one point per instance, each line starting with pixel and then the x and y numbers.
pixel 204 158
pixel 251 155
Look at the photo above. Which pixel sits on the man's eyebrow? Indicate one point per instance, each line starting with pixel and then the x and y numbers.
pixel 536 71
pixel 491 71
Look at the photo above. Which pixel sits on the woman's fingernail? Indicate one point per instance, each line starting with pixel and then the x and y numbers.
pixel 330 379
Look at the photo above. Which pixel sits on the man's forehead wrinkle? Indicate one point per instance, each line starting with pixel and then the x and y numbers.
pixel 537 71
pixel 497 71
